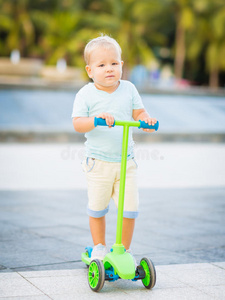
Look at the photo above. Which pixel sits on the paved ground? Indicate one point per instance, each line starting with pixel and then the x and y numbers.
pixel 184 282
pixel 44 227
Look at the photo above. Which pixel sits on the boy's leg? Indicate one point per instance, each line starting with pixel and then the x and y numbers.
pixel 127 233
pixel 97 227
pixel 100 178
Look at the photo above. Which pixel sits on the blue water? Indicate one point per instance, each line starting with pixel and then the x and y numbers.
pixel 51 111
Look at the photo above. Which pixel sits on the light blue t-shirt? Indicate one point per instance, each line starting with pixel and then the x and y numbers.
pixel 105 143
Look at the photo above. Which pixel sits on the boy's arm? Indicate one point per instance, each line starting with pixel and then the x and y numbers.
pixel 83 124
pixel 86 124
pixel 141 114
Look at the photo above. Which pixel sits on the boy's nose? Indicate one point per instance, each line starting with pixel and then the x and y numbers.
pixel 109 68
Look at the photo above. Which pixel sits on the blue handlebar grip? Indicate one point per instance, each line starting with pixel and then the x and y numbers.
pixel 146 126
pixel 101 122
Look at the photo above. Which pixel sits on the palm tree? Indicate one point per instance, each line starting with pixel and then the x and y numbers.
pixel 215 53
pixel 207 38
pixel 184 16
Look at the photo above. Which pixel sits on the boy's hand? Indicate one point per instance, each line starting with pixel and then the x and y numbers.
pixel 108 117
pixel 149 121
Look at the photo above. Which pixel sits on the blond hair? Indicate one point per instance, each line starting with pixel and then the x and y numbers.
pixel 101 41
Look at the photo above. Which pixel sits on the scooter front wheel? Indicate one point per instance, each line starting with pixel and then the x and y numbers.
pixel 96 275
pixel 150 273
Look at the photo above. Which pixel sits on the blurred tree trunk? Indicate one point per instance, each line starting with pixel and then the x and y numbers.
pixel 180 51
pixel 213 61
pixel 214 78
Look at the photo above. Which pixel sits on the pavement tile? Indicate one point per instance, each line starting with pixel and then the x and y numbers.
pixel 216 292
pixel 73 285
pixel 43 297
pixel 18 287
pixel 9 275
pixel 51 273
pixel 184 293
pixel 59 284
pixel 196 275
pixel 219 264
pixel 87 294
pixel 165 281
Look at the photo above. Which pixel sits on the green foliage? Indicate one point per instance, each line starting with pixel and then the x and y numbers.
pixel 52 29
pixel 207 36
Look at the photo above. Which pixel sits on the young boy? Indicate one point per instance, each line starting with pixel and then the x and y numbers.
pixel 110 98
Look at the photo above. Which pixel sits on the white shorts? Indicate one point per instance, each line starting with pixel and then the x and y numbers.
pixel 103 179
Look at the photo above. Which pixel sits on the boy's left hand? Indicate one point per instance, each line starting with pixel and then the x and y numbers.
pixel 149 121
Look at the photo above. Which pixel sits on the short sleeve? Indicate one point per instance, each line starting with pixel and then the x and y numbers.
pixel 80 107
pixel 137 102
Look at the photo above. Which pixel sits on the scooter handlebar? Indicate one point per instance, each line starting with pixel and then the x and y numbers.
pixel 142 124
pixel 101 122
pixel 146 126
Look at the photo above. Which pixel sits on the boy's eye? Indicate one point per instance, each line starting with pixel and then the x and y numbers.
pixel 102 65
pixel 115 63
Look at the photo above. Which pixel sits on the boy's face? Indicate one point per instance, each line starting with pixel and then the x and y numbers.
pixel 105 68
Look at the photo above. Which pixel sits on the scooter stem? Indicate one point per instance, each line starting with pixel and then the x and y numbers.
pixel 122 185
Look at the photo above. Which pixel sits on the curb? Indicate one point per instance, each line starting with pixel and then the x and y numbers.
pixel 13 136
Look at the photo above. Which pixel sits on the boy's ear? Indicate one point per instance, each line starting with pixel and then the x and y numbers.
pixel 122 62
pixel 88 69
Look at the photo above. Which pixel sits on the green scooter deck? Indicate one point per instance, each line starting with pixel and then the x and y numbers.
pixel 121 261
pixel 123 264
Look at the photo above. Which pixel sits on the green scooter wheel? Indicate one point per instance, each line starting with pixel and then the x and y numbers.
pixel 150 273
pixel 96 275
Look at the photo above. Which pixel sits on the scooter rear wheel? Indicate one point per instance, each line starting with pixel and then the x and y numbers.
pixel 96 275
pixel 150 273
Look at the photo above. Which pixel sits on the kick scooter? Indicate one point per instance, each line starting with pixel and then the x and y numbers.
pixel 118 263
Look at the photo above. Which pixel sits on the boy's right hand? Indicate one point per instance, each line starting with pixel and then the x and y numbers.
pixel 108 117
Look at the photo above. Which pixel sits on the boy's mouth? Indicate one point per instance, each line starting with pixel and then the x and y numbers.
pixel 110 76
